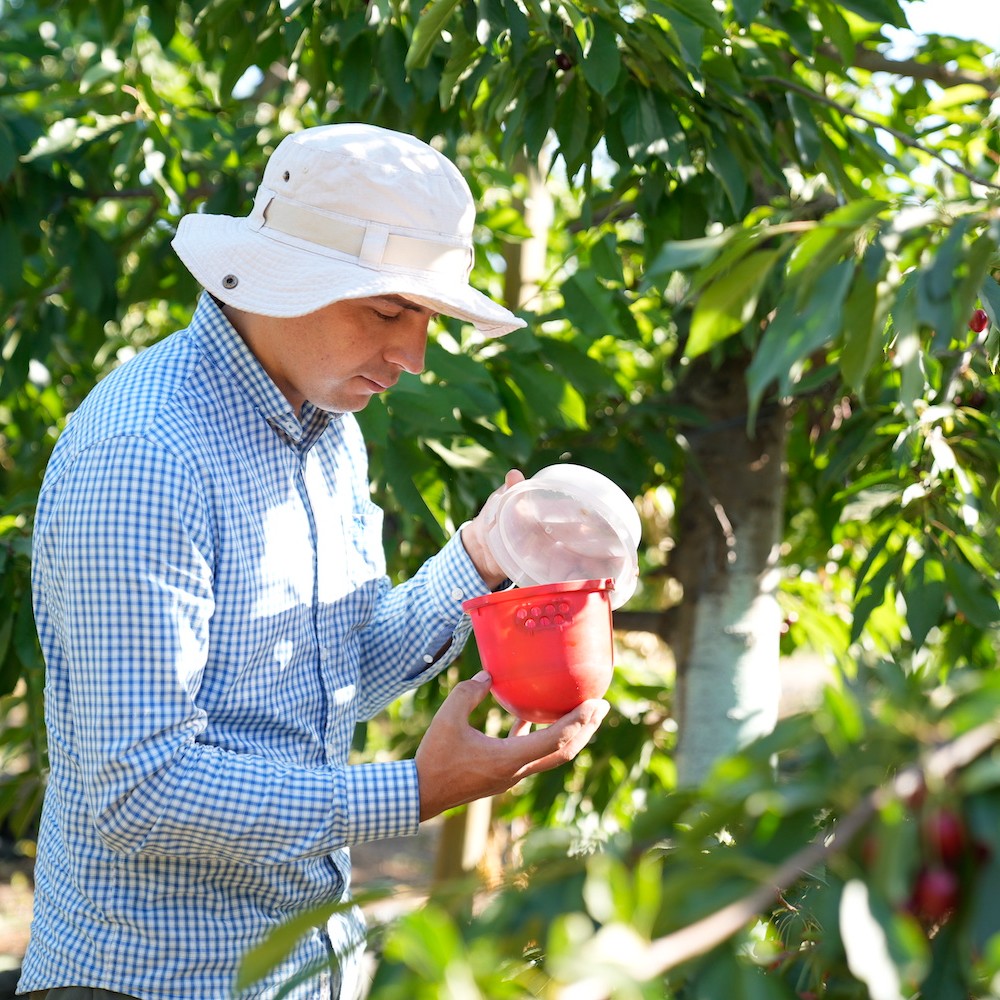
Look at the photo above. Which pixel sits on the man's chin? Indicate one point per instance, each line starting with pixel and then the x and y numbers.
pixel 351 404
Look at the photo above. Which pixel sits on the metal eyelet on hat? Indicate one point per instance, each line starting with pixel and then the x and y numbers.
pixel 230 281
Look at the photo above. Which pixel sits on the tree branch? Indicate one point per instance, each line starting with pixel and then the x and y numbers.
pixel 876 62
pixel 907 140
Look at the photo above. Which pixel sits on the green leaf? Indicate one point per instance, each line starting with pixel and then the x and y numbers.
pixel 807 137
pixel 870 593
pixel 641 127
pixel 977 261
pixel 417 406
pixel 865 318
pixel 473 456
pixel 837 30
pixel 162 23
pixel 540 112
pixel 936 289
pixel 430 23
pixel 553 401
pixel 10 666
pixel 606 258
pixel 747 10
pixel 726 305
pixel 971 595
pixel 408 464
pixel 992 348
pixel 684 255
pixel 690 38
pixel 427 941
pixel 834 237
pixel 355 78
pixel 877 11
pixel 11 260
pixel 702 12
pixel 572 121
pixel 863 337
pixel 989 294
pixel 728 169
pixel 924 594
pixel 590 376
pixel 724 976
pixel 602 62
pixel 794 334
pixel 589 306
pixel 390 67
pixel 8 153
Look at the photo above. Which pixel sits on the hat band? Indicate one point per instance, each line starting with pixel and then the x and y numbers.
pixel 372 244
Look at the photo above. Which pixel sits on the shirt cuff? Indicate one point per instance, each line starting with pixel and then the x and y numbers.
pixel 383 800
pixel 454 577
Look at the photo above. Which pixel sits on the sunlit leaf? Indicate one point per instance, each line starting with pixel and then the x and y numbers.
pixel 924 592
pixel 602 61
pixel 431 20
pixel 794 334
pixel 726 305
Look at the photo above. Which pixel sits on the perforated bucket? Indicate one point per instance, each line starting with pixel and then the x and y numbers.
pixel 547 648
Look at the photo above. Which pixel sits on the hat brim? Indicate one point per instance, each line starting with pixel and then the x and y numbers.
pixel 275 279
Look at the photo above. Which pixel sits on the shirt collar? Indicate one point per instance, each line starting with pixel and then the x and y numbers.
pixel 230 353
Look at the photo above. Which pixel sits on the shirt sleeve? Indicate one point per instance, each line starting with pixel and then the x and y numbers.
pixel 124 587
pixel 419 628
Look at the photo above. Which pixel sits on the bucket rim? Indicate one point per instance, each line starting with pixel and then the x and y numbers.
pixel 527 593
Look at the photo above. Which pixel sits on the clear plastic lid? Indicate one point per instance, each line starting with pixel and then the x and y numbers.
pixel 567 522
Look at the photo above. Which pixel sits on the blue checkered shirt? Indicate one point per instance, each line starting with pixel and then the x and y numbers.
pixel 211 599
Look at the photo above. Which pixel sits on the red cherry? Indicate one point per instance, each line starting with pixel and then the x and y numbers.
pixel 979 321
pixel 944 834
pixel 935 894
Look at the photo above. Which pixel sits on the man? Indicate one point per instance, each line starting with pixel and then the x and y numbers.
pixel 211 598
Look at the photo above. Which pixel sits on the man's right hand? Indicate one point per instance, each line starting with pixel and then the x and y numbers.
pixel 457 764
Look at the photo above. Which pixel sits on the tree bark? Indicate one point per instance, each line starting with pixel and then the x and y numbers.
pixel 725 632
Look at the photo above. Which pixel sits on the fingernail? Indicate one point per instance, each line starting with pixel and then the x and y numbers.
pixel 482 676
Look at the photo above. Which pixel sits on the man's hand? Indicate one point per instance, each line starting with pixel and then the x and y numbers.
pixel 474 535
pixel 457 764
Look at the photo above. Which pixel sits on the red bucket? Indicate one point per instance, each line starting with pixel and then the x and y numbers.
pixel 547 648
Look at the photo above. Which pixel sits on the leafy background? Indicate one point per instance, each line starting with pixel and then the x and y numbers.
pixel 748 262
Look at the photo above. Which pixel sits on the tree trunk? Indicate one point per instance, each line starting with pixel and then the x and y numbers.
pixel 726 630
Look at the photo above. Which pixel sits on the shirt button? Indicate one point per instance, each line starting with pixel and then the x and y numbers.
pixel 456 594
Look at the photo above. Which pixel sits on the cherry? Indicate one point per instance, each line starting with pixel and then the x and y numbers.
pixel 935 894
pixel 564 61
pixel 944 834
pixel 979 321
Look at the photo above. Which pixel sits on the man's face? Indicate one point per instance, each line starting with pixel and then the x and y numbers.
pixel 341 355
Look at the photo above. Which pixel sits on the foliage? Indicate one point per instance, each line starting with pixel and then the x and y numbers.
pixel 825 819
pixel 748 179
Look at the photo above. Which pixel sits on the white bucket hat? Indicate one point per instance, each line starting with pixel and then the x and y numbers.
pixel 345 212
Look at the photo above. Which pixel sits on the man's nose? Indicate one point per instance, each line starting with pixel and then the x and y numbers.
pixel 408 349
